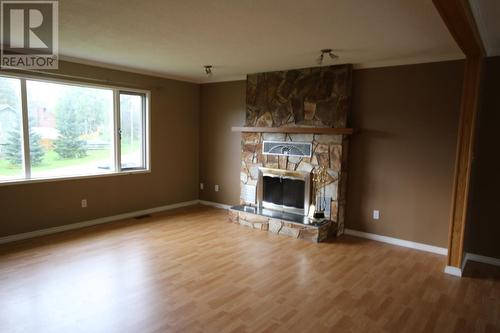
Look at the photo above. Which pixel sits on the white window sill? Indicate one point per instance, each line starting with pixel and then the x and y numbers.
pixel 76 177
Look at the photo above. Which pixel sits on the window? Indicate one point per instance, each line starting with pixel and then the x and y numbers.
pixel 70 130
pixel 132 121
pixel 11 138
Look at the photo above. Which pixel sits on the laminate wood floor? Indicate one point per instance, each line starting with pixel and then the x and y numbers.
pixel 191 270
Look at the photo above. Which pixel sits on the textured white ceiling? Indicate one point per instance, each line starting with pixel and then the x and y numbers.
pixel 176 38
pixel 487 16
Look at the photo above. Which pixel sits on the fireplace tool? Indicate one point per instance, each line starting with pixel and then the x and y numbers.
pixel 320 178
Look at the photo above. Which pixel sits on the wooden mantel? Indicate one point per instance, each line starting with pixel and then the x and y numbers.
pixel 303 130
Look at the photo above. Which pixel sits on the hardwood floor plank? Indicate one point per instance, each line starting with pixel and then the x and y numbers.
pixel 191 270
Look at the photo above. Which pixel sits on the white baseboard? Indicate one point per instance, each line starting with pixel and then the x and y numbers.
pixel 214 204
pixel 481 259
pixel 455 271
pixel 399 242
pixel 48 231
pixel 471 257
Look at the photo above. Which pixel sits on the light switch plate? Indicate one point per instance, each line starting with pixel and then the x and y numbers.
pixel 376 215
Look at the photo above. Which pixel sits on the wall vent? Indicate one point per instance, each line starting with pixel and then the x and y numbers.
pixel 287 148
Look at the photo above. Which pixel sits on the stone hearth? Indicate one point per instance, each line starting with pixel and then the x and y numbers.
pixel 313 233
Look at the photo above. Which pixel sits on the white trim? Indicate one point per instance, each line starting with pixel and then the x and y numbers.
pixel 25 130
pixel 364 65
pixel 83 224
pixel 399 242
pixel 48 231
pixel 117 137
pixel 214 204
pixel 229 78
pixel 409 61
pixel 481 259
pixel 455 271
pixel 148 131
pixel 239 77
pixel 71 81
pixel 127 69
pixel 22 181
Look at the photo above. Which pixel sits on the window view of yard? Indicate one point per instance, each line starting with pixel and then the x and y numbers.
pixel 52 163
pixel 10 129
pixel 70 130
pixel 131 124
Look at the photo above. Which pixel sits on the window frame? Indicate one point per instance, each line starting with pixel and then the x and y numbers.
pixel 144 128
pixel 117 90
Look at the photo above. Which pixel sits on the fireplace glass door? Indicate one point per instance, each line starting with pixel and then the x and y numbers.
pixel 283 192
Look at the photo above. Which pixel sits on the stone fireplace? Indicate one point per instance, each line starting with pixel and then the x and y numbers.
pixel 328 151
pixel 277 177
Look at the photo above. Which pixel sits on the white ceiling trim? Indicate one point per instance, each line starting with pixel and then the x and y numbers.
pixel 377 64
pixel 125 69
pixel 410 61
pixel 215 79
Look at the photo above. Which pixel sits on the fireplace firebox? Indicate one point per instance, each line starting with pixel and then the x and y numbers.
pixel 284 190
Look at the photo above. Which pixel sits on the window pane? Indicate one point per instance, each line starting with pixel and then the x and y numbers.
pixel 132 130
pixel 11 139
pixel 71 129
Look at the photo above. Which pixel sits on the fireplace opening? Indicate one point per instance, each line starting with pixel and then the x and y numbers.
pixel 284 190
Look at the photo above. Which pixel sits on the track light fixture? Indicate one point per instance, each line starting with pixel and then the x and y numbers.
pixel 329 52
pixel 208 70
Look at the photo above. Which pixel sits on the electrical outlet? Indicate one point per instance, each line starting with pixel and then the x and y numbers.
pixel 376 214
pixel 201 186
pixel 84 203
pixel 216 188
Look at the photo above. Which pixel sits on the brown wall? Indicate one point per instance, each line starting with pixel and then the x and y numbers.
pixel 483 227
pixel 401 162
pixel 174 160
pixel 402 159
pixel 222 106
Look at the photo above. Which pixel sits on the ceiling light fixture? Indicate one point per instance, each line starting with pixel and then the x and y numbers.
pixel 208 70
pixel 329 52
